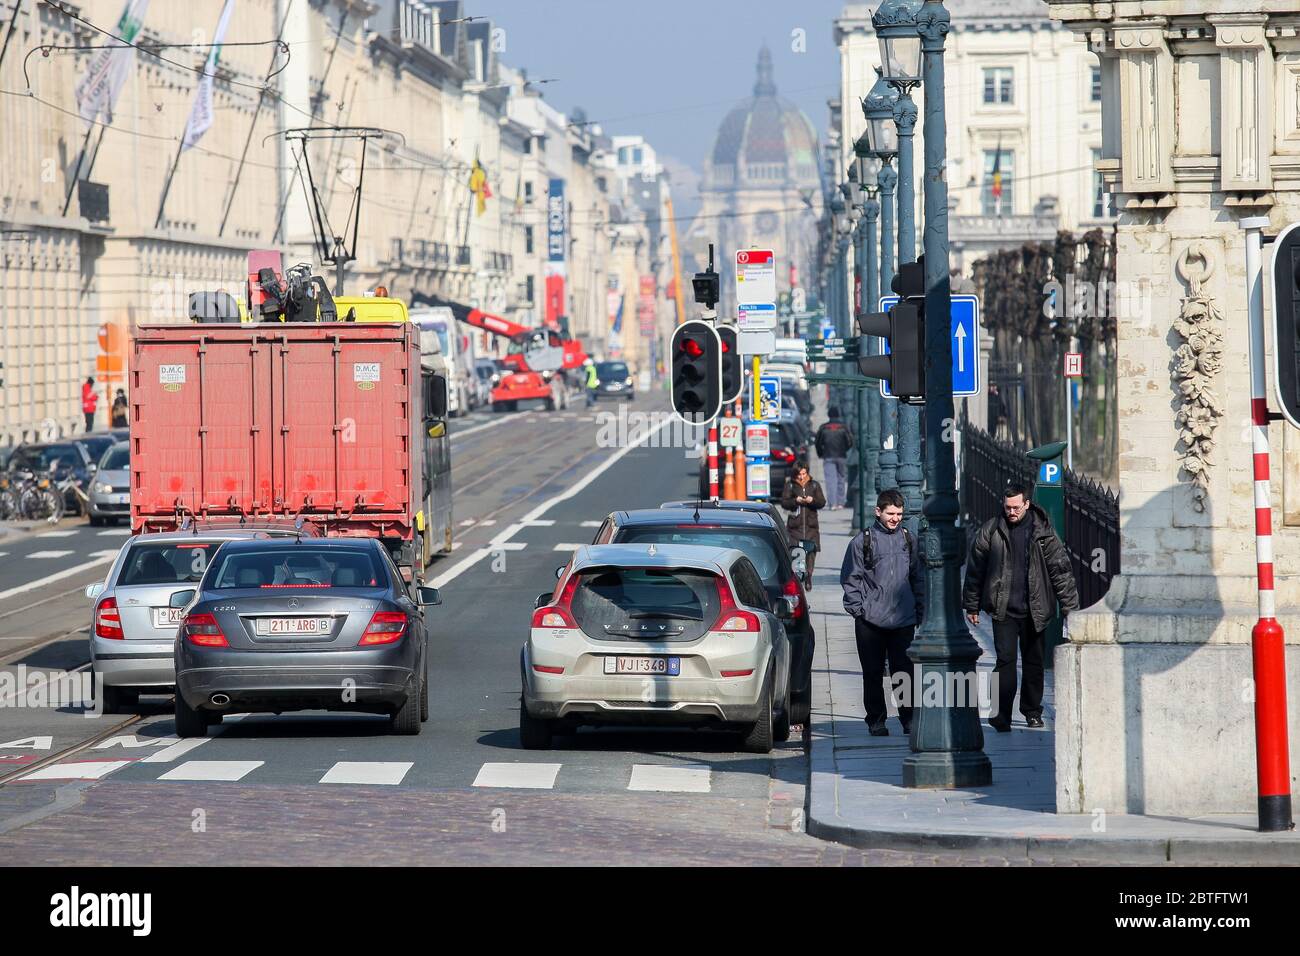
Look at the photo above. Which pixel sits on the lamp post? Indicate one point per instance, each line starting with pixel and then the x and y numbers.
pixel 900 58
pixel 868 437
pixel 947 739
pixel 878 108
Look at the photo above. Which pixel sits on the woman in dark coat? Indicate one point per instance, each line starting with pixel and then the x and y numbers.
pixel 803 498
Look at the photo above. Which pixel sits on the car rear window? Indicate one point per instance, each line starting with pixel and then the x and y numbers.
pixel 98 445
pixel 757 545
pixel 645 603
pixel 166 563
pixel 117 458
pixel 298 566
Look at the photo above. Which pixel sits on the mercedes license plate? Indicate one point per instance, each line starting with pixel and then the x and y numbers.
pixel 291 625
pixel 663 666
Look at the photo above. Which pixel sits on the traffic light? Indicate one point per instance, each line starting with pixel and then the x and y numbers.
pixel 733 369
pixel 1286 321
pixel 903 327
pixel 697 372
pixel 706 284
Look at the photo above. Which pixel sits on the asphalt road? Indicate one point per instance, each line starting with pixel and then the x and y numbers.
pixel 320 788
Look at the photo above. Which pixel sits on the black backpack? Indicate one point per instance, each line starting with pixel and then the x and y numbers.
pixel 868 553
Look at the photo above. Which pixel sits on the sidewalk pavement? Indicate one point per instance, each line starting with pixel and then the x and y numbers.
pixel 856 794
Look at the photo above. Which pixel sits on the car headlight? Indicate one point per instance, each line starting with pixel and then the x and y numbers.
pixel 628 380
pixel 103 488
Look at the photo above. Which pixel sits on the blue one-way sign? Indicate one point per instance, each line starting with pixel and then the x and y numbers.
pixel 965 343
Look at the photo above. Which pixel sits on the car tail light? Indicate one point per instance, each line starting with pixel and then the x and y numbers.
pixel 544 669
pixel 558 614
pixel 108 622
pixel 731 618
pixel 792 589
pixel 783 454
pixel 203 630
pixel 384 628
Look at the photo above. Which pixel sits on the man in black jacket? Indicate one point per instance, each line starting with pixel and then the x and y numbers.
pixel 833 442
pixel 1017 571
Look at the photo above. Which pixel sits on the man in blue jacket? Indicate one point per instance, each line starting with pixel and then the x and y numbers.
pixel 884 591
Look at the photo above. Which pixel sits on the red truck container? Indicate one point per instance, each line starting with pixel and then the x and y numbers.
pixel 322 421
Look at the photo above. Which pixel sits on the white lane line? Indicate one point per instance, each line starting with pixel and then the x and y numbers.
pixel 77 770
pixel 521 776
pixel 113 533
pixel 566 547
pixel 49 554
pixel 3 553
pixel 56 576
pixel 65 533
pixel 212 770
pixel 484 427
pixel 590 524
pixel 662 779
pixel 389 773
pixel 108 553
pixel 487 523
pixel 467 522
pixel 178 749
pixel 539 523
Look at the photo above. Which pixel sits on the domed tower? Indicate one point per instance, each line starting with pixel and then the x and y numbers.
pixel 761 185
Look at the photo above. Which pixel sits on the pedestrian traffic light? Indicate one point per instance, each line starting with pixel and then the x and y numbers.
pixel 697 372
pixel 733 369
pixel 1286 321
pixel 903 328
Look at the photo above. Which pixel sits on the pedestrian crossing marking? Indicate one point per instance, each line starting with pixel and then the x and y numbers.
pixel 658 778
pixel 385 772
pixel 177 749
pixel 590 524
pixel 114 533
pixel 77 770
pixel 212 770
pixel 521 776
pixel 49 554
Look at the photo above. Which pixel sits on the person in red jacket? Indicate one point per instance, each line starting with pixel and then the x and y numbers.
pixel 89 401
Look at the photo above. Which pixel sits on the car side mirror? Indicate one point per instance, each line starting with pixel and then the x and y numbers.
pixel 435 397
pixel 427 597
pixel 559 572
pixel 543 599
pixel 94 590
pixel 181 598
pixel 785 607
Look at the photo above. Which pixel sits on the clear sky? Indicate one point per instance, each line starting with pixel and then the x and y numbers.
pixel 669 70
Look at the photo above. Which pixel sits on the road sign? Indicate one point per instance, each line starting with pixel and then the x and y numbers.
pixel 756 276
pixel 758 479
pixel 756 342
pixel 832 349
pixel 729 430
pixel 1050 472
pixel 757 441
pixel 965 343
pixel 755 316
pixel 769 397
pixel 1073 364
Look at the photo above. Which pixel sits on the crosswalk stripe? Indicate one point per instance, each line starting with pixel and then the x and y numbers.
pixel 539 523
pixel 77 770
pixel 114 533
pixel 371 771
pixel 589 524
pixel 178 749
pixel 110 553
pixel 65 533
pixel 655 777
pixel 567 546
pixel 522 776
pixel 49 554
pixel 212 770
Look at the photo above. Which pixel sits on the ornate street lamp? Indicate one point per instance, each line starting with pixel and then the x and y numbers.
pixel 878 108
pixel 900 44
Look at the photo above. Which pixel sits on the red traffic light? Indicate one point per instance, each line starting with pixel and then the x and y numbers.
pixel 692 348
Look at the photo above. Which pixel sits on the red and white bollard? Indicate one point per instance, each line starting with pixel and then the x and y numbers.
pixel 713 461
pixel 1268 651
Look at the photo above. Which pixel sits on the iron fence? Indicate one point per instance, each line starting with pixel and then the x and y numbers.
pixel 1091 509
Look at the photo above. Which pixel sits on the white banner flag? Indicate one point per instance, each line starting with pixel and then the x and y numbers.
pixel 201 111
pixel 97 90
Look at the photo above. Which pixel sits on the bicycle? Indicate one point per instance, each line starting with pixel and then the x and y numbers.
pixel 38 501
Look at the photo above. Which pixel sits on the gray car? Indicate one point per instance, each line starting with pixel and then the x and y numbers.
pixel 308 624
pixel 110 486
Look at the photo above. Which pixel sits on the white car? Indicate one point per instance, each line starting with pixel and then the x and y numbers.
pixel 657 634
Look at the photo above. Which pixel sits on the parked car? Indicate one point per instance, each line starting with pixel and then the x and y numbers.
pixel 613 380
pixel 691 625
pixel 68 458
pixel 762 541
pixel 276 626
pixel 484 370
pixel 769 508
pixel 133 625
pixel 110 489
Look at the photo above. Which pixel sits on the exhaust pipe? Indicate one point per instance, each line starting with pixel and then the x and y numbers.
pixel 219 700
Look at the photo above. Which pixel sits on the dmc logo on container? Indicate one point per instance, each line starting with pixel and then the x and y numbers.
pixel 76 909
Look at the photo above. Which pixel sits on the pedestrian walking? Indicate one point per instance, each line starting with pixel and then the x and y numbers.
pixel 89 402
pixel 593 381
pixel 833 442
pixel 803 498
pixel 884 592
pixel 119 415
pixel 1018 571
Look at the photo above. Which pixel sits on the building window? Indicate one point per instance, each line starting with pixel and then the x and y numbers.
pixel 997 196
pixel 998 85
pixel 1094 87
pixel 528 193
pixel 636 156
pixel 528 240
pixel 1101 203
pixel 528 289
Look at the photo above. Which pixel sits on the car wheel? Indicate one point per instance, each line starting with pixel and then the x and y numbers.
pixel 117 700
pixel 407 720
pixel 757 738
pixel 424 694
pixel 781 725
pixel 534 733
pixel 189 722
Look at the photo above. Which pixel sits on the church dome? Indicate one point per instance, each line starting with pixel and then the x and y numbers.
pixel 765 140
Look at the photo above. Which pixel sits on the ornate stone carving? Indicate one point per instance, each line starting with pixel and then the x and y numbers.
pixel 1196 365
pixel 1245 71
pixel 1147 94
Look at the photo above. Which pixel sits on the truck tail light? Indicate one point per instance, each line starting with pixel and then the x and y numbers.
pixel 731 618
pixel 108 622
pixel 384 628
pixel 203 630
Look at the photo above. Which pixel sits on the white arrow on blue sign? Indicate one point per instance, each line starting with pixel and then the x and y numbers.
pixel 965 343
